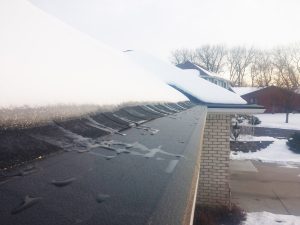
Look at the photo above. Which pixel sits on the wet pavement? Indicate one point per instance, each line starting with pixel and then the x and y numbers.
pixel 265 187
pixel 143 177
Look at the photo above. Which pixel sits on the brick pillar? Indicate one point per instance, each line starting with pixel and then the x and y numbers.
pixel 213 186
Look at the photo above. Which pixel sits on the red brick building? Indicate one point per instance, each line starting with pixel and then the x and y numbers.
pixel 274 99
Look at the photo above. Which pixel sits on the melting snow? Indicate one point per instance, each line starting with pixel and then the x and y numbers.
pixel 186 80
pixel 48 68
pixel 247 138
pixel 266 218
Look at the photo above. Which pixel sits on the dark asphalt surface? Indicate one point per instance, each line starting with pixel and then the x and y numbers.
pixel 273 132
pixel 148 180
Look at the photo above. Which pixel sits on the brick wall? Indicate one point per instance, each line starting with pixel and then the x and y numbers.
pixel 213 187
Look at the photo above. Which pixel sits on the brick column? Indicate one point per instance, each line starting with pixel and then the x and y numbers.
pixel 213 187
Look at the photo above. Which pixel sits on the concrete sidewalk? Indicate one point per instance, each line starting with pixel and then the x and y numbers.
pixel 271 188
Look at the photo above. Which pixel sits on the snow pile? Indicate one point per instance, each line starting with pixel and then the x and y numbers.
pixel 48 69
pixel 278 121
pixel 186 80
pixel 277 152
pixel 245 90
pixel 266 218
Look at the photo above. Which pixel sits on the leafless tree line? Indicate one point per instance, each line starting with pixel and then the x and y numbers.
pixel 246 66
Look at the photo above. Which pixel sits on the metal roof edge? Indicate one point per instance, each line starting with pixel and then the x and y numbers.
pixel 235 108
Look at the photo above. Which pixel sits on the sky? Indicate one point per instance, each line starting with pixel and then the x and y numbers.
pixel 160 26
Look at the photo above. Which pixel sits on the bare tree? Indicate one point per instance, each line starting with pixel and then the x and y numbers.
pixel 281 66
pixel 287 74
pixel 295 54
pixel 182 55
pixel 211 57
pixel 286 68
pixel 262 69
pixel 238 61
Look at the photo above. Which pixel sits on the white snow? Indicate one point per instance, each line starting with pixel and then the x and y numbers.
pixel 186 80
pixel 50 69
pixel 266 218
pixel 208 72
pixel 277 152
pixel 278 121
pixel 243 138
pixel 245 90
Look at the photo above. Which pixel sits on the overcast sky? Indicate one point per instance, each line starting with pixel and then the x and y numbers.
pixel 160 26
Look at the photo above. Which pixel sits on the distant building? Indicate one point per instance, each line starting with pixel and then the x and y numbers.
pixel 274 99
pixel 210 76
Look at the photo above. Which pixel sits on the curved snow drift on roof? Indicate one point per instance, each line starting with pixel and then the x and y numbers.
pixel 46 63
pixel 186 80
pixel 245 90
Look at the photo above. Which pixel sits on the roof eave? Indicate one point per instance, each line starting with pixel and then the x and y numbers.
pixel 235 109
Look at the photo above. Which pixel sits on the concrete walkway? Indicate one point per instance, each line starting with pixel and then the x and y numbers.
pixel 258 186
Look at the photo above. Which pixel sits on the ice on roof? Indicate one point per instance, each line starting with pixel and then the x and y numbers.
pixel 44 62
pixel 245 90
pixel 186 80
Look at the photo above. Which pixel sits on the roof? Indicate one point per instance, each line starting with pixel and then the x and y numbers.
pixel 186 80
pixel 245 90
pixel 41 58
pixel 134 175
pixel 188 65
pixel 202 72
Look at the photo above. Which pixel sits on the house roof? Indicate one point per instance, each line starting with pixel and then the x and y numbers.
pixel 189 65
pixel 202 72
pixel 47 66
pixel 186 80
pixel 113 167
pixel 134 175
pixel 245 90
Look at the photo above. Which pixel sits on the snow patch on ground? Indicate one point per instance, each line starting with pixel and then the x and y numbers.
pixel 278 121
pixel 266 218
pixel 247 138
pixel 277 152
pixel 46 64
pixel 186 80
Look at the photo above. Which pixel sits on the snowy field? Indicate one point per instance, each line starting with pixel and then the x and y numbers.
pixel 266 218
pixel 278 121
pixel 277 152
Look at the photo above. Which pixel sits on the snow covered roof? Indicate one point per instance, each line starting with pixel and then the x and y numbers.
pixel 245 90
pixel 201 71
pixel 297 90
pixel 186 80
pixel 44 62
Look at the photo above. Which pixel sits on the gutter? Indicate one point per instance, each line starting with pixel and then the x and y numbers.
pixel 235 108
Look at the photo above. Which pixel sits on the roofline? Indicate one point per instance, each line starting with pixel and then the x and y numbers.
pixel 259 89
pixel 235 109
pixel 262 88
pixel 216 77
